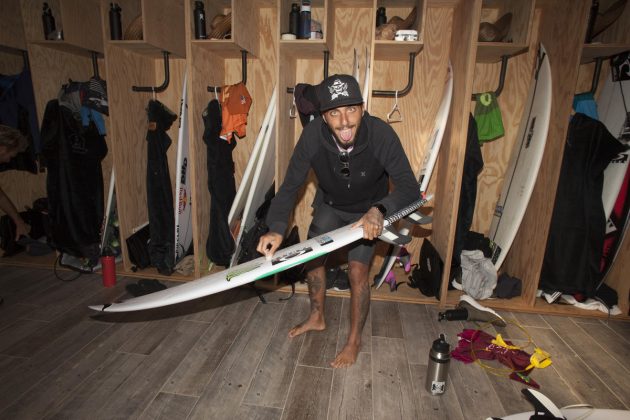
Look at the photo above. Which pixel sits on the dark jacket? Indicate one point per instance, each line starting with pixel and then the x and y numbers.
pixel 377 157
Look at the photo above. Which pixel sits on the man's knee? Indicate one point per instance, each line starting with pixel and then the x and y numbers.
pixel 358 272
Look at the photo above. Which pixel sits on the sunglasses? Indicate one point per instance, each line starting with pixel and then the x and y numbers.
pixel 345 165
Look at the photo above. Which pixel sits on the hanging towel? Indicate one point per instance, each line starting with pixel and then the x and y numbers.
pixel 488 117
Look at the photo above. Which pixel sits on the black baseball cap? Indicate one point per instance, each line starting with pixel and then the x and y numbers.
pixel 338 90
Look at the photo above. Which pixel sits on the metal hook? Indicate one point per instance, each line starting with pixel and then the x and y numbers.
pixel 216 96
pixel 292 109
pixel 391 117
pixel 243 72
pixel 164 84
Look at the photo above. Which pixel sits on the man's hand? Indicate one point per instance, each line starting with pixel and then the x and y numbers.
pixel 269 243
pixel 372 223
pixel 21 228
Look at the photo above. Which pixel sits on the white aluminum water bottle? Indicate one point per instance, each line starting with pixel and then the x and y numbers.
pixel 437 368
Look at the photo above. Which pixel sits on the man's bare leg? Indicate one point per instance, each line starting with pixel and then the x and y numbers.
pixel 359 308
pixel 316 280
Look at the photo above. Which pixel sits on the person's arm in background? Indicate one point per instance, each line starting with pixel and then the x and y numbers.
pixel 7 206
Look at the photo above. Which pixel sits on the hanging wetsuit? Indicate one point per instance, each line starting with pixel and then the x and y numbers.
pixel 221 184
pixel 578 223
pixel 74 181
pixel 159 190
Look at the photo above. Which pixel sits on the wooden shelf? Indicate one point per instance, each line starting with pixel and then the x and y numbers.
pixel 304 48
pixel 491 52
pixel 64 46
pixel 590 52
pixel 224 48
pixel 142 47
pixel 396 50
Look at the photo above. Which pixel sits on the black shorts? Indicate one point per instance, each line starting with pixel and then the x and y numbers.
pixel 327 218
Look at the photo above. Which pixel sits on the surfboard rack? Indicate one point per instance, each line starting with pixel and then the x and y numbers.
pixel 405 90
pixel 504 60
pixel 596 73
pixel 326 60
pixel 243 73
pixel 163 86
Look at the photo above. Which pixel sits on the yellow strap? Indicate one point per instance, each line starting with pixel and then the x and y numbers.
pixel 500 342
pixel 540 359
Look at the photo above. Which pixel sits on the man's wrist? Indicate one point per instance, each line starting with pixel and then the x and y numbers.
pixel 381 208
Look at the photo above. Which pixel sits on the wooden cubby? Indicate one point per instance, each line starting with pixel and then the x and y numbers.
pixel 141 63
pixel 448 31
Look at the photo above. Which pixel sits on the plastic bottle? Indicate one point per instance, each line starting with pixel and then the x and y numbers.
pixel 48 21
pixel 115 25
pixel 294 19
pixel 199 15
pixel 457 314
pixel 305 20
pixel 437 368
pixel 381 18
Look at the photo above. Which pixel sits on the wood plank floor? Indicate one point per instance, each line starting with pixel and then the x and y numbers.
pixel 228 357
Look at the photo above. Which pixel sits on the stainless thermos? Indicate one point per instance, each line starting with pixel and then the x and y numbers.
pixel 115 24
pixel 437 369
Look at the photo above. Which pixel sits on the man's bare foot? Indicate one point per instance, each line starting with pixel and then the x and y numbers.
pixel 346 357
pixel 313 323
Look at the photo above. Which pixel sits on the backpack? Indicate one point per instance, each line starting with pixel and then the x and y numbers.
pixel 427 275
pixel 138 248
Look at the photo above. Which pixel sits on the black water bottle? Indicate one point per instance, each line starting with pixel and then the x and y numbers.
pixel 294 19
pixel 305 20
pixel 49 22
pixel 115 25
pixel 199 15
pixel 381 18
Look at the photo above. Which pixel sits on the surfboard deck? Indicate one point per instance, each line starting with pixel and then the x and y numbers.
pixel 262 179
pixel 240 199
pixel 183 207
pixel 525 161
pixel 255 269
pixel 426 169
pixel 612 114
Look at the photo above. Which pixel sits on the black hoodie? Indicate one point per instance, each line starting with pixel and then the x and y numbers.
pixel 376 157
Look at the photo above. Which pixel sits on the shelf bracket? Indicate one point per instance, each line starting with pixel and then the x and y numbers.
pixel 243 73
pixel 163 86
pixel 504 61
pixel 405 90
pixel 596 73
pixel 95 65
pixel 326 60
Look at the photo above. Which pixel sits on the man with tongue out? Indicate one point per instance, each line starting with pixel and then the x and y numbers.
pixel 354 157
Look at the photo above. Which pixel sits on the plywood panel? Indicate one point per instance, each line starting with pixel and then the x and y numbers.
pixel 245 26
pixel 564 48
pixel 164 25
pixel 496 154
pixel 11 30
pixel 82 24
pixel 450 161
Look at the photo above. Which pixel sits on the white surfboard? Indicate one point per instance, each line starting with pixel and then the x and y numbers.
pixel 426 169
pixel 527 154
pixel 612 114
pixel 255 269
pixel 238 205
pixel 111 201
pixel 355 66
pixel 366 79
pixel 183 188
pixel 262 179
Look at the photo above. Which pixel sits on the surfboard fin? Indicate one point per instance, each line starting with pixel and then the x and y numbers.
pixel 542 405
pixel 393 237
pixel 418 218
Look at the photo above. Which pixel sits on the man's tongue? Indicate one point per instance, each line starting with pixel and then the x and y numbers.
pixel 346 135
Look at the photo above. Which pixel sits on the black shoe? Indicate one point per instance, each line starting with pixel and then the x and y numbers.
pixel 342 282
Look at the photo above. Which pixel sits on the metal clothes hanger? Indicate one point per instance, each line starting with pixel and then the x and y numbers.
pixel 292 108
pixel 395 115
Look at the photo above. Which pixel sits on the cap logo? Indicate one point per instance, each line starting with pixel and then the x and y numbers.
pixel 338 88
